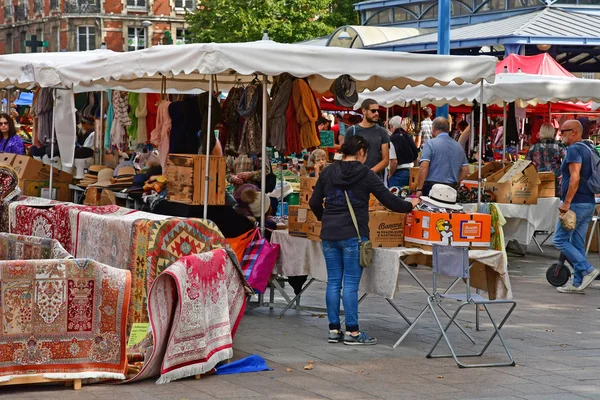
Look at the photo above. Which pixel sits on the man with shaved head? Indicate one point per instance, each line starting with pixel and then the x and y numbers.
pixel 577 197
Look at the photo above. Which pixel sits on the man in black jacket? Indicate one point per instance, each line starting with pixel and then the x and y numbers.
pixel 403 153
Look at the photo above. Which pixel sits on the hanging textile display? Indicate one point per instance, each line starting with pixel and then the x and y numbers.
pixel 132 130
pixel 152 101
pixel 231 119
pixel 109 119
pixel 248 108
pixel 64 122
pixel 185 125
pixel 43 111
pixel 161 133
pixel 121 119
pixel 277 114
pixel 292 130
pixel 141 113
pixel 307 113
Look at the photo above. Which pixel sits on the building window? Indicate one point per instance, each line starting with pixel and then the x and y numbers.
pixel 189 4
pixel 54 40
pixel 407 13
pixel 180 36
pixel 430 13
pixel 23 38
pixel 86 38
pixel 136 39
pixel 136 3
pixel 522 3
pixel 9 43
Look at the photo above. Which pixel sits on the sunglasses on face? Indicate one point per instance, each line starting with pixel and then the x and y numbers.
pixel 376 111
pixel 563 131
pixel 3 123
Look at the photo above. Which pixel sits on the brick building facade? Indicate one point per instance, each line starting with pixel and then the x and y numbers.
pixel 78 25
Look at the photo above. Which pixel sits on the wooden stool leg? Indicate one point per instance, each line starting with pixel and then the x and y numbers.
pixel 77 384
pixel 198 376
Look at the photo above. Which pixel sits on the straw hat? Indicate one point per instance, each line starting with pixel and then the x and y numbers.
pixel 104 177
pixel 94 169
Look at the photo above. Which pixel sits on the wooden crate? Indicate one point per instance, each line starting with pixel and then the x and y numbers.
pixel 547 185
pixel 413 179
pixel 186 179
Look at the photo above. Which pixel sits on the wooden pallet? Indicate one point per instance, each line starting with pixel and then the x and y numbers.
pixel 26 380
pixel 186 179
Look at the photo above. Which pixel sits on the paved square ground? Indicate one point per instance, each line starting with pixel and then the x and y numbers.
pixel 554 338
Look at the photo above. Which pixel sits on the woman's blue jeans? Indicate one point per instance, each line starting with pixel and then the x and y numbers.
pixel 572 243
pixel 400 178
pixel 342 258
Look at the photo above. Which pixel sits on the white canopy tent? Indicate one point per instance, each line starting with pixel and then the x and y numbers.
pixel 524 89
pixel 201 65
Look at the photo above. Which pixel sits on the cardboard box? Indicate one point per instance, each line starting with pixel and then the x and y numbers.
pixel 486 170
pixel 7 158
pixel 547 187
pixel 307 186
pixel 297 221
pixel 413 179
pixel 516 184
pixel 314 231
pixel 29 168
pixel 375 205
pixel 39 188
pixel 427 228
pixel 386 228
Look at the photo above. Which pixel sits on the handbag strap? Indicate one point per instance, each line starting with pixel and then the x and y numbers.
pixel 353 218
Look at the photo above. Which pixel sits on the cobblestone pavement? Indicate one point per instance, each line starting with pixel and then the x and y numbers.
pixel 555 339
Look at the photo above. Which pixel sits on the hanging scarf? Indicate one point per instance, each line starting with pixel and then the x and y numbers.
pixel 307 113
pixel 140 113
pixel 110 115
pixel 231 118
pixel 152 101
pixel 132 130
pixel 277 115
pixel 160 136
pixel 121 120
pixel 251 140
pixel 43 111
pixel 292 130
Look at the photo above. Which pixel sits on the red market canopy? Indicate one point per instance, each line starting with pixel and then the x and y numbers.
pixel 541 64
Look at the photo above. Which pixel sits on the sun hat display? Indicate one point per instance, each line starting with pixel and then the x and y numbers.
pixel 442 196
pixel 104 177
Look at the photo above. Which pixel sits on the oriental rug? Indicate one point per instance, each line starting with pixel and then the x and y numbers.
pixel 156 245
pixel 18 247
pixel 63 319
pixel 32 221
pixel 195 307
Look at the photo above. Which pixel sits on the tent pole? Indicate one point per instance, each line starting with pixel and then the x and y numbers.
pixel 472 131
pixel 52 137
pixel 98 138
pixel 503 133
pixel 263 166
pixel 480 151
pixel 208 133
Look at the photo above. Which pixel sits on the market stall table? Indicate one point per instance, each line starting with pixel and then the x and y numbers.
pixel 79 193
pixel 523 221
pixel 300 256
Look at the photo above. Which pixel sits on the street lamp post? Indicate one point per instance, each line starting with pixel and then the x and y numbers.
pixel 147 25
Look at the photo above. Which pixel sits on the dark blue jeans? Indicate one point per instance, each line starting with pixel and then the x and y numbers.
pixel 572 243
pixel 342 258
pixel 400 178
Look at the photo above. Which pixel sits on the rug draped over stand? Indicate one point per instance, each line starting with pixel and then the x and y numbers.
pixel 195 307
pixel 18 247
pixel 63 319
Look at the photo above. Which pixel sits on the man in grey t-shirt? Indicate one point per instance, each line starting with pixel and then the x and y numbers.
pixel 378 156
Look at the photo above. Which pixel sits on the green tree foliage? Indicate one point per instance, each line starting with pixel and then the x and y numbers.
pixel 287 21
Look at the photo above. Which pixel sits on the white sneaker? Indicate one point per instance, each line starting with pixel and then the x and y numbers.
pixel 571 289
pixel 588 279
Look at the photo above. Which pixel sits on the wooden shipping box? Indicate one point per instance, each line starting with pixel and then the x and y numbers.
pixel 516 184
pixel 426 228
pixel 186 178
pixel 386 228
pixel 547 187
pixel 28 168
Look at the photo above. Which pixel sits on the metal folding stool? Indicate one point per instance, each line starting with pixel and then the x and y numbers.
pixel 454 262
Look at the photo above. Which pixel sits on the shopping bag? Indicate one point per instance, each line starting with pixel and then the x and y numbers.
pixel 258 262
pixel 238 244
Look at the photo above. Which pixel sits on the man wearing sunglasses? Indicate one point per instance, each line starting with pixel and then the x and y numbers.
pixel 577 197
pixel 378 156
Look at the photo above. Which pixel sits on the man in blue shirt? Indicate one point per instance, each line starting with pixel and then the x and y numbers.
pixel 577 197
pixel 442 161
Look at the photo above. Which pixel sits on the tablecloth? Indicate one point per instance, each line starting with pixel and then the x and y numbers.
pixel 522 220
pixel 300 256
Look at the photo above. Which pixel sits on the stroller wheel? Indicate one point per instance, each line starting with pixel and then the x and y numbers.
pixel 558 275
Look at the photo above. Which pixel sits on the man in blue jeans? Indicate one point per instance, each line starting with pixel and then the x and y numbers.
pixel 577 197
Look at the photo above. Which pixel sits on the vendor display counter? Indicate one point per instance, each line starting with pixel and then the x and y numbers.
pixel 300 256
pixel 523 220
